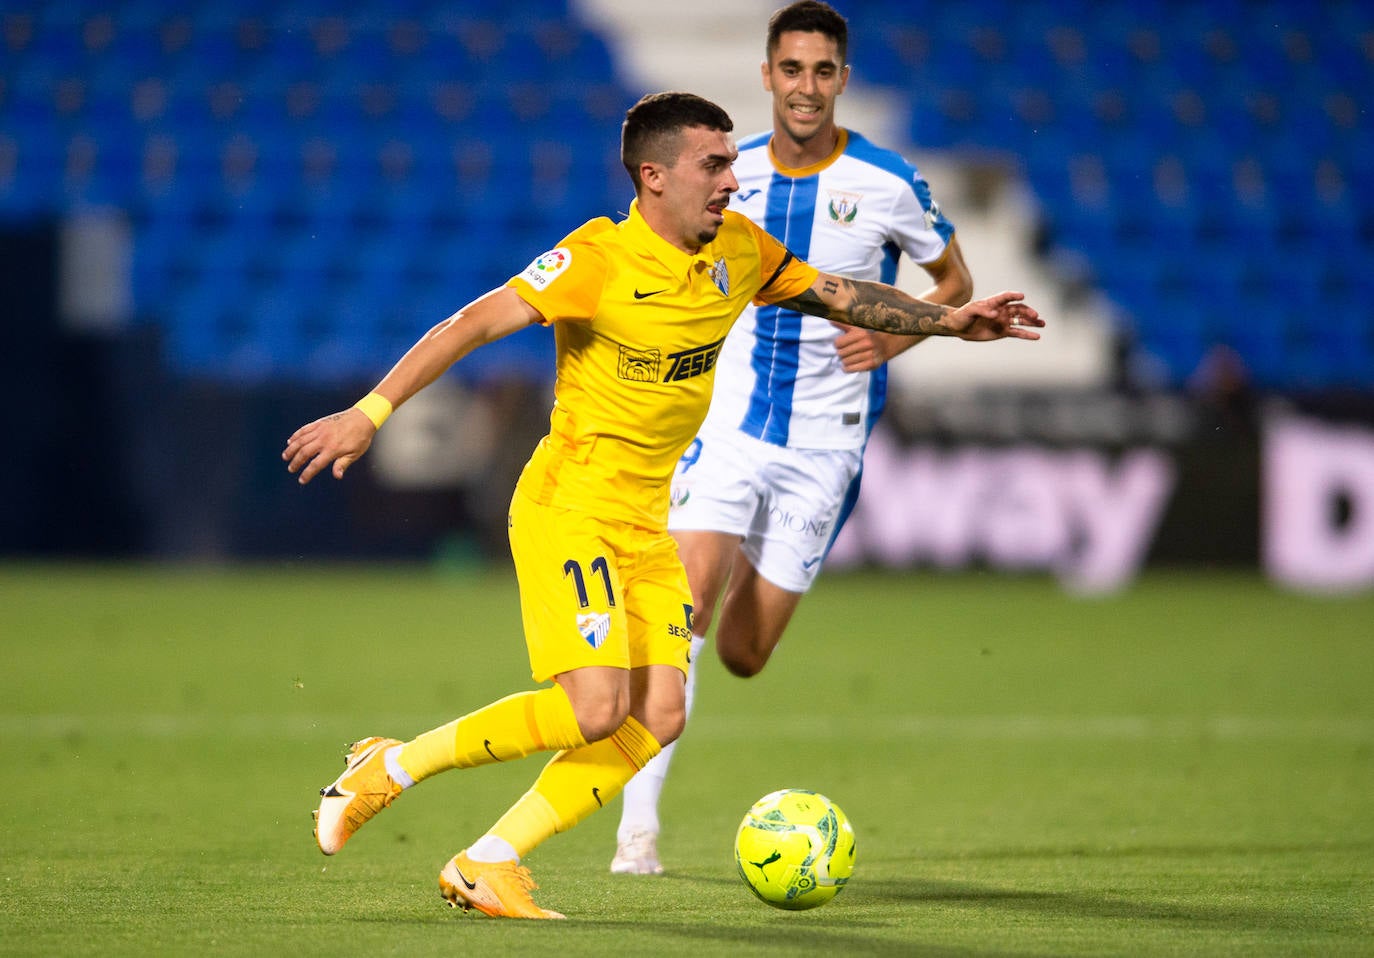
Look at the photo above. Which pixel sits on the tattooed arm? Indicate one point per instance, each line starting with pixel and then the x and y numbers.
pixel 889 310
pixel 863 350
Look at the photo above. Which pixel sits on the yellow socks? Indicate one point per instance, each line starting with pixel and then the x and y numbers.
pixel 575 783
pixel 578 780
pixel 510 728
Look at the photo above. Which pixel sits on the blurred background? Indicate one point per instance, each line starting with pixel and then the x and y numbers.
pixel 219 221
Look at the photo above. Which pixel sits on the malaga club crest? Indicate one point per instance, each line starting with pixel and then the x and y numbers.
pixel 720 275
pixel 594 627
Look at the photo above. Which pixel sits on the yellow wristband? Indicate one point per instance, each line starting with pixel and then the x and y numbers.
pixel 375 407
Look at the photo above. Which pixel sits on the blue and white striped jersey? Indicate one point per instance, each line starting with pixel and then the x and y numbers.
pixel 778 377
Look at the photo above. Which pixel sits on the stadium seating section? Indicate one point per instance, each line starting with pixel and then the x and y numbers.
pixel 312 183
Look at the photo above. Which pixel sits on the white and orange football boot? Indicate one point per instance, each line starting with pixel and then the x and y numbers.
pixel 499 889
pixel 363 790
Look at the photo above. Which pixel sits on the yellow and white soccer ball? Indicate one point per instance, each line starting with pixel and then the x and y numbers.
pixel 795 849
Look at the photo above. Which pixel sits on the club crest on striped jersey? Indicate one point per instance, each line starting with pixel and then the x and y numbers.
pixel 594 627
pixel 844 207
pixel 720 275
pixel 547 267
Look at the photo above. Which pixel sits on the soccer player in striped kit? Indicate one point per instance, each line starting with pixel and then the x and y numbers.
pixel 774 471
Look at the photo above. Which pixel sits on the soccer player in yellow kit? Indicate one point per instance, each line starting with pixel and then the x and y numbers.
pixel 639 310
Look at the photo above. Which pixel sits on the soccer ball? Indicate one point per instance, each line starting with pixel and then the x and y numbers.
pixel 795 849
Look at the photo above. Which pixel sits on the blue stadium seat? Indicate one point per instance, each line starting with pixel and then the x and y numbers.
pixel 1234 94
pixel 158 109
pixel 29 172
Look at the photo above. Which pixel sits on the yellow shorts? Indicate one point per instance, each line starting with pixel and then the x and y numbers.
pixel 596 591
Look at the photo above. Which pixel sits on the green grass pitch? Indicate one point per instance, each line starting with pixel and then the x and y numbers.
pixel 1186 768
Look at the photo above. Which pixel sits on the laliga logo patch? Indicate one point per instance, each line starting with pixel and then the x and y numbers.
pixel 594 627
pixel 720 275
pixel 547 267
pixel 678 496
pixel 844 207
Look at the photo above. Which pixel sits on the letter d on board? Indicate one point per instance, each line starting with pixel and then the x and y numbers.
pixel 1318 513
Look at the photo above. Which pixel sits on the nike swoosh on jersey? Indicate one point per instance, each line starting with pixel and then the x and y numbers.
pixel 652 292
pixel 746 195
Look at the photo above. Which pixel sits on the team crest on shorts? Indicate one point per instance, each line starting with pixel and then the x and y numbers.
pixel 594 627
pixel 720 275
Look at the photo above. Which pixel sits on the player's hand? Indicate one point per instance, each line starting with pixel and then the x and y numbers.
pixel 1003 316
pixel 861 350
pixel 337 440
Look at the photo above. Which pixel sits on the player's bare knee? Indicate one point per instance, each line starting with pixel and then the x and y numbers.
pixel 745 663
pixel 599 720
pixel 600 699
pixel 739 653
pixel 667 728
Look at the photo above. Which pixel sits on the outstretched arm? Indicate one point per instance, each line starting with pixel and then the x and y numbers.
pixel 341 438
pixel 888 309
pixel 863 350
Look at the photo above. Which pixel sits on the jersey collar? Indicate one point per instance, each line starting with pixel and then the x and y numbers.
pixel 841 141
pixel 643 235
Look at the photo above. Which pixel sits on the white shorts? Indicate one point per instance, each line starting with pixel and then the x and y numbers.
pixel 787 504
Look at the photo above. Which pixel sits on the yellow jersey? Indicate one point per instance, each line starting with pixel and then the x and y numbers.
pixel 638 324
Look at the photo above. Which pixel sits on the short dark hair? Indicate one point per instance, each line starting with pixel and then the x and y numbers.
pixel 809 16
pixel 653 128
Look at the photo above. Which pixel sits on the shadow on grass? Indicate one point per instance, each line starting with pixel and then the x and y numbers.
pixel 1104 906
pixel 784 939
pixel 1202 912
pixel 920 907
pixel 1193 851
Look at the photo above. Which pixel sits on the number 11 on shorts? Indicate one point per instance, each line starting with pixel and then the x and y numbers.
pixel 599 567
